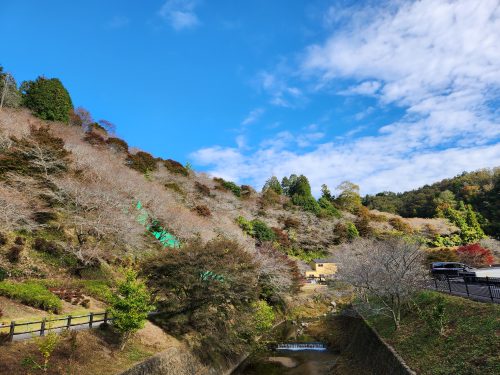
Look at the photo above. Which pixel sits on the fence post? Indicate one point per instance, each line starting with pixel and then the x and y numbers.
pixel 449 285
pixel 42 327
pixel 68 325
pixel 489 288
pixel 436 283
pixel 91 319
pixel 466 286
pixel 11 331
pixel 106 317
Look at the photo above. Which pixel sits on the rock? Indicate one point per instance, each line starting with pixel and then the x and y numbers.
pixel 333 303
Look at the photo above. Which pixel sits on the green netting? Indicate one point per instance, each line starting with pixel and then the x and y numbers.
pixel 154 227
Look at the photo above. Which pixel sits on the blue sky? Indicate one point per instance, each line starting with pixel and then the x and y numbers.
pixel 390 95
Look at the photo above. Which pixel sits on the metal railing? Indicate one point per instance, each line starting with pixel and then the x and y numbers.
pixel 40 327
pixel 483 289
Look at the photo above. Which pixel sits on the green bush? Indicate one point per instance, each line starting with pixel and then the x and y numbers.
pixel 308 203
pixel 257 229
pixel 229 185
pixel 47 98
pixel 262 232
pixel 352 231
pixel 327 208
pixel 263 316
pixel 31 293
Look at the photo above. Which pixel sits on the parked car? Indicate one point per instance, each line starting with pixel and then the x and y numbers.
pixel 441 270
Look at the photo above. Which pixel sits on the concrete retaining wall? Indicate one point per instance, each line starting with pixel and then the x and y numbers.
pixel 173 361
pixel 365 346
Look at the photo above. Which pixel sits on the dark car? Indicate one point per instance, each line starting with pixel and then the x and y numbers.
pixel 441 270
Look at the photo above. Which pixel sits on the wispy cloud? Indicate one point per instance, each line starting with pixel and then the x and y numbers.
pixel 281 93
pixel 439 61
pixel 180 14
pixel 253 116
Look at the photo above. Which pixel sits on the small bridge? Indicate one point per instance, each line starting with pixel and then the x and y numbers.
pixel 299 346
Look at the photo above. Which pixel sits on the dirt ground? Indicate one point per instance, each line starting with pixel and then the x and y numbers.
pixel 93 352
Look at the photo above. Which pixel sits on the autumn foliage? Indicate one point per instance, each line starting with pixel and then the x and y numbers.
pixel 475 255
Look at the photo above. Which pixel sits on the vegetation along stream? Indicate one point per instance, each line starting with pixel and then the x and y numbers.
pixel 306 355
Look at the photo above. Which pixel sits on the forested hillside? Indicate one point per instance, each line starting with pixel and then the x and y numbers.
pixel 83 213
pixel 480 189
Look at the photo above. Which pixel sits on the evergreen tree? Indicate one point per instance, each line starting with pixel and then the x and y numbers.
pixel 47 98
pixel 273 184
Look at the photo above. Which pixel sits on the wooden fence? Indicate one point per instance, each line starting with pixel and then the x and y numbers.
pixel 40 327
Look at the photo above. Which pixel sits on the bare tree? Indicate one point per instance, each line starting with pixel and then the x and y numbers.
pixel 99 218
pixel 9 95
pixel 391 271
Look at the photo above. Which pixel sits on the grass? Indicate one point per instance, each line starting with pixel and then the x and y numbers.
pixel 31 293
pixel 469 345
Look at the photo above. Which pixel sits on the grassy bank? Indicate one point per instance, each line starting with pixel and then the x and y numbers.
pixel 469 342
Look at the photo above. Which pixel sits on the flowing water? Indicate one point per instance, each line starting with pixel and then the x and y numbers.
pixel 293 353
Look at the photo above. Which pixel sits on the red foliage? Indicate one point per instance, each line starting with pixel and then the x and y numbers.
pixel 475 255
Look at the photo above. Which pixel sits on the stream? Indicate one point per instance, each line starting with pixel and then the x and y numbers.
pixel 271 361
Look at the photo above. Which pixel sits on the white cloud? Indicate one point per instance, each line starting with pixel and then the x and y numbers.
pixel 180 14
pixel 438 60
pixel 253 116
pixel 364 88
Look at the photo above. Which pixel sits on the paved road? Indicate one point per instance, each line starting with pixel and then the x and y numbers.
pixel 478 292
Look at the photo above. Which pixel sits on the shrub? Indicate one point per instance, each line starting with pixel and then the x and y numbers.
pixel 262 232
pixel 3 239
pixel 32 294
pixel 3 274
pixel 307 255
pixel 475 255
pixel 282 237
pixel 245 225
pixel 49 247
pixel 202 210
pixel 202 189
pixel 246 191
pixel 363 226
pixel 47 98
pixel 228 185
pixel 117 144
pixel 175 187
pixel 94 139
pixel 290 222
pixel 263 316
pixel 19 241
pixel 44 217
pixel 308 203
pixel 352 231
pixel 175 167
pixel 400 225
pixel 130 306
pixel 14 254
pixel 327 208
pixel 270 198
pixel 142 162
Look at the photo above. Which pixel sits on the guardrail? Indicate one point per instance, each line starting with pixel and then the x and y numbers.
pixel 46 325
pixel 481 288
